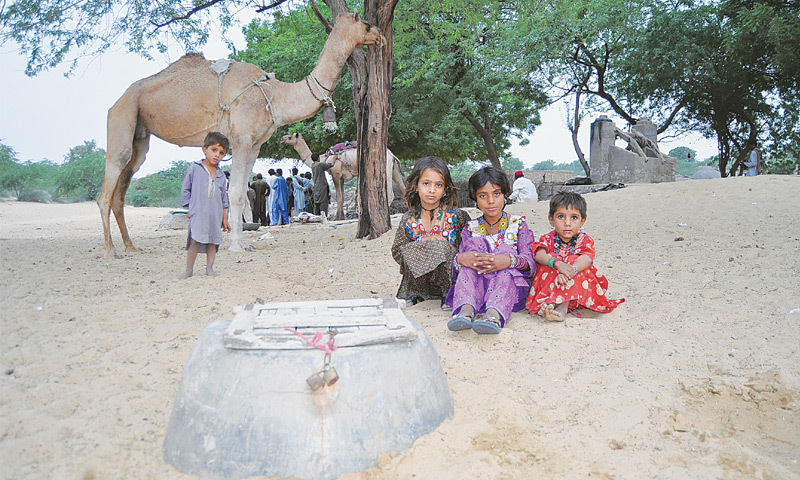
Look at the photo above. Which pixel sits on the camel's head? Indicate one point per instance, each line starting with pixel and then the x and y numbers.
pixel 291 139
pixel 357 29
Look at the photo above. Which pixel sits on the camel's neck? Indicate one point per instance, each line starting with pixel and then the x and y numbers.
pixel 305 153
pixel 332 60
pixel 301 99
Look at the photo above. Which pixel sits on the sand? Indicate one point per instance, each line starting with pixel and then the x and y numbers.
pixel 696 376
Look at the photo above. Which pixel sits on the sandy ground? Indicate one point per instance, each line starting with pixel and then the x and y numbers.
pixel 696 376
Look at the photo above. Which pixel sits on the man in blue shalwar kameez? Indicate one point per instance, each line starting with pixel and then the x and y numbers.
pixel 280 212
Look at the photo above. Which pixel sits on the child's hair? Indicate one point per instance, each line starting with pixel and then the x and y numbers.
pixel 568 200
pixel 315 157
pixel 438 165
pixel 485 175
pixel 216 138
pixel 279 172
pixel 271 171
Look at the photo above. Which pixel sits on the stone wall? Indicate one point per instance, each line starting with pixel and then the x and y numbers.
pixel 612 164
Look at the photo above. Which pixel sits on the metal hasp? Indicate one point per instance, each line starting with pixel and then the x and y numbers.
pixel 246 405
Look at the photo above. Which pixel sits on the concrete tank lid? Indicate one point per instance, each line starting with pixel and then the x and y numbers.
pixel 292 325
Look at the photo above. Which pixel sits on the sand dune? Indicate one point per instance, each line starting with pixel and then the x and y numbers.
pixel 696 376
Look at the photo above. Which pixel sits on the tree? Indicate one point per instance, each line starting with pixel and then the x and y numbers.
pixel 725 65
pixel 461 84
pixel 28 181
pixel 161 189
pixel 81 176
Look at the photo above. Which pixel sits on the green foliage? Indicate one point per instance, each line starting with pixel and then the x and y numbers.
pixel 512 164
pixel 51 32
pixel 161 189
pixel 81 177
pixel 783 165
pixel 28 181
pixel 683 153
pixel 574 167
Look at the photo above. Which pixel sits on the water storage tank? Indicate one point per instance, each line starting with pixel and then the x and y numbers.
pixel 313 390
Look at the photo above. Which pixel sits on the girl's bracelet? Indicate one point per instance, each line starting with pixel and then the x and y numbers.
pixel 551 262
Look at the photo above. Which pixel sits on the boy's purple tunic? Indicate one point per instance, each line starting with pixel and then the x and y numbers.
pixel 205 204
pixel 504 290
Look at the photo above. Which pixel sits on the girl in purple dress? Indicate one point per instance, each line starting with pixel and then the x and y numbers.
pixel 495 264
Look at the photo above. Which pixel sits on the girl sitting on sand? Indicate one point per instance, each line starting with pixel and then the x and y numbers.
pixel 428 234
pixel 494 264
pixel 566 278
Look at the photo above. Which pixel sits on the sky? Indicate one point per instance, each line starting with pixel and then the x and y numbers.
pixel 42 117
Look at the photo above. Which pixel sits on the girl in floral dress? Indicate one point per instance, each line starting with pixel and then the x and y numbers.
pixel 428 235
pixel 566 278
pixel 494 265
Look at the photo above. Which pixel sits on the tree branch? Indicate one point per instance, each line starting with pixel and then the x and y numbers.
pixel 187 15
pixel 271 5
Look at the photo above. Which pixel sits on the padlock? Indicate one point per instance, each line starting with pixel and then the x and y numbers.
pixel 329 375
pixel 315 382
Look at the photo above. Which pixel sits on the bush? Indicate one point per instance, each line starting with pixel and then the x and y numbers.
pixel 786 165
pixel 161 189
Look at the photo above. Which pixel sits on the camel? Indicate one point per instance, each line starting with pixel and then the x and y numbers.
pixel 194 96
pixel 346 169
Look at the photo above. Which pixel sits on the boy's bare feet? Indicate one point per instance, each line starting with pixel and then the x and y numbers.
pixel 186 274
pixel 553 314
pixel 211 273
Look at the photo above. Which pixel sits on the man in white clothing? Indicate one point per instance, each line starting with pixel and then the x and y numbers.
pixel 524 190
pixel 271 197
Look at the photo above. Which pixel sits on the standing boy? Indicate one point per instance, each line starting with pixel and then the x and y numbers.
pixel 205 192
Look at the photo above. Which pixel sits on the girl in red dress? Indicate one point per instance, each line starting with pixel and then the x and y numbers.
pixel 566 278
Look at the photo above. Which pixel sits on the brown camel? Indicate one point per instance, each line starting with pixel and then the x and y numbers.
pixel 346 169
pixel 188 99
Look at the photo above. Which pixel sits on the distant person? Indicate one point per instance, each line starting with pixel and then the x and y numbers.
pixel 280 213
pixel 321 192
pixel 428 235
pixel 271 197
pixel 309 191
pixel 566 278
pixel 290 196
pixel 251 199
pixel 262 190
pixel 494 264
pixel 524 190
pixel 299 184
pixel 205 192
pixel 754 162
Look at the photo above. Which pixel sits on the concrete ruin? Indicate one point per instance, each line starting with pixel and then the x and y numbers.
pixel 641 161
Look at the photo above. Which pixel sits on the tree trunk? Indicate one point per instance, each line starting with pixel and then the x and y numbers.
pixel 485 131
pixel 574 131
pixel 372 80
pixel 373 126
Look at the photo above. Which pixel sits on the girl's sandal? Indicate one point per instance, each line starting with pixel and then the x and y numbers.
pixel 490 325
pixel 459 323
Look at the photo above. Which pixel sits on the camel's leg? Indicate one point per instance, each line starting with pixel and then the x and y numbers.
pixel 141 145
pixel 121 128
pixel 338 182
pixel 113 161
pixel 244 157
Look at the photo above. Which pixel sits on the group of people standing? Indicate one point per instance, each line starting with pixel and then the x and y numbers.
pixel 273 199
pixel 488 267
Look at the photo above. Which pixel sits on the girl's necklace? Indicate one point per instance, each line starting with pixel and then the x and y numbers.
pixel 439 216
pixel 492 225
